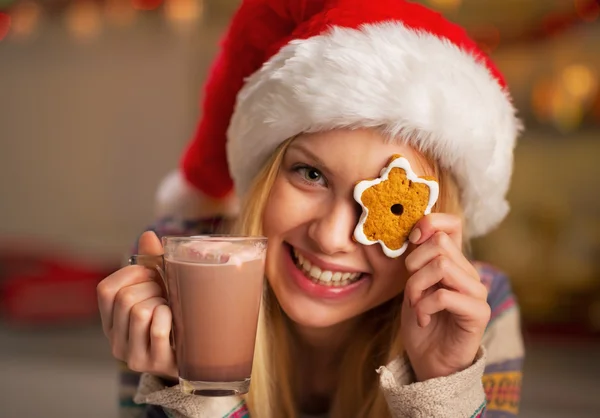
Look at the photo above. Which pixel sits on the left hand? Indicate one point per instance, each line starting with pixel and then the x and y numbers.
pixel 445 310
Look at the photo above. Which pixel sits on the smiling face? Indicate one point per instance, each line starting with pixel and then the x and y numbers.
pixel 319 274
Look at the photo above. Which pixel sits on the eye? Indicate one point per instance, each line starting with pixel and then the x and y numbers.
pixel 310 174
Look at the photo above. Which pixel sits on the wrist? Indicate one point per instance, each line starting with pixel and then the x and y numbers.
pixel 428 372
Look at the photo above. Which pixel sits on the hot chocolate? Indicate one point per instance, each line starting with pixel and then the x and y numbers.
pixel 215 309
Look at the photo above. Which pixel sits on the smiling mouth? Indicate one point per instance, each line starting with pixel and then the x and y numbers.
pixel 323 277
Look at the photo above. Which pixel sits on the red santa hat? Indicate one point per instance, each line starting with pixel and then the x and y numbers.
pixel 293 66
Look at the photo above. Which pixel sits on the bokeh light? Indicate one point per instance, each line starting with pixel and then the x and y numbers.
pixel 183 10
pixel 4 25
pixel 146 4
pixel 25 19
pixel 579 81
pixel 587 10
pixel 566 97
pixel 567 113
pixel 84 20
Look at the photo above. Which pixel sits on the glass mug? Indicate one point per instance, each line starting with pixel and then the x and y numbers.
pixel 214 286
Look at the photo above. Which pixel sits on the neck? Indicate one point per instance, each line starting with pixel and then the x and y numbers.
pixel 324 340
pixel 319 352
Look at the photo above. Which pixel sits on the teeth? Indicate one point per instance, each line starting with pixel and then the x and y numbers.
pixel 315 272
pixel 324 277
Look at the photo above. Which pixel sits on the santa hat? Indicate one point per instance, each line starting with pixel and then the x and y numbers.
pixel 293 66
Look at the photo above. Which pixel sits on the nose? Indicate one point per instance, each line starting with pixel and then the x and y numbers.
pixel 333 228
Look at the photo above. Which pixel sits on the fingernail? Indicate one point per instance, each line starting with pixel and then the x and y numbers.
pixel 415 235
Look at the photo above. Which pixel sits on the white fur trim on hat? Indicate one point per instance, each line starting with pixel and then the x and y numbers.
pixel 178 199
pixel 415 86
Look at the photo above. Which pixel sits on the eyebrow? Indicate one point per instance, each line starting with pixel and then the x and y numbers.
pixel 316 161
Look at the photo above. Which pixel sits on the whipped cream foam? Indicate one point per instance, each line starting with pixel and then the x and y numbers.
pixel 208 250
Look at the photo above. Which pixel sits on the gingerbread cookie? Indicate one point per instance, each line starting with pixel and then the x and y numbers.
pixel 392 204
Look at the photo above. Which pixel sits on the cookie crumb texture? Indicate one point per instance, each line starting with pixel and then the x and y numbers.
pixel 394 207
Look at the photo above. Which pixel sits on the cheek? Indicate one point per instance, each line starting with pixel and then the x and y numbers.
pixel 286 209
pixel 274 216
pixel 389 273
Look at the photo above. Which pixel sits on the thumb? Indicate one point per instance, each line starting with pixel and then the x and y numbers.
pixel 149 244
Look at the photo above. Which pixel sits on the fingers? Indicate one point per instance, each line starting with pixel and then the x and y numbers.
pixel 150 349
pixel 149 244
pixel 472 314
pixel 108 288
pixel 441 270
pixel 125 302
pixel 427 226
pixel 439 244
pixel 135 316
pixel 139 331
pixel 160 345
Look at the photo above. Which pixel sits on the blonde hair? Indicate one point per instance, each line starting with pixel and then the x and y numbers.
pixel 374 343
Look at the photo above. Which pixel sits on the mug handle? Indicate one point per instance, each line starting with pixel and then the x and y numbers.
pixel 157 263
pixel 153 262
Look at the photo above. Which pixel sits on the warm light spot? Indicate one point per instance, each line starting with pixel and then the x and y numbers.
pixel 146 4
pixel 183 10
pixel 579 81
pixel 4 25
pixel 84 20
pixel 25 19
pixel 587 10
pixel 567 112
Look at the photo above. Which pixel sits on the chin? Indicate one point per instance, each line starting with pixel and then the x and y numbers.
pixel 311 316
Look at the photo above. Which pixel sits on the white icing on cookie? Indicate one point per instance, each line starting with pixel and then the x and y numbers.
pixel 359 189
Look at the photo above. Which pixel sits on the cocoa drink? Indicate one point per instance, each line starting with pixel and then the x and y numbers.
pixel 215 292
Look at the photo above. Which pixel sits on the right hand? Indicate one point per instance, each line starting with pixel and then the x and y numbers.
pixel 135 315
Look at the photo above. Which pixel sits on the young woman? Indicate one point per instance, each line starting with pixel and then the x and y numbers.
pixel 306 99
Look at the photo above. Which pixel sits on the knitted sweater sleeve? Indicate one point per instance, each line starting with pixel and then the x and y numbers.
pixel 490 388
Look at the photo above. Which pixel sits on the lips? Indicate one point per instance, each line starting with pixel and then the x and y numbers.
pixel 322 276
pixel 323 287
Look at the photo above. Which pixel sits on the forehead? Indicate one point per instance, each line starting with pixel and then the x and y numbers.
pixel 356 154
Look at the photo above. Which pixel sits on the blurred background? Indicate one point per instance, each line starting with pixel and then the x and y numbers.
pixel 98 99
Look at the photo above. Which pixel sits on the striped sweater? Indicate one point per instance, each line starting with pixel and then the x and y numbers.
pixel 490 388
